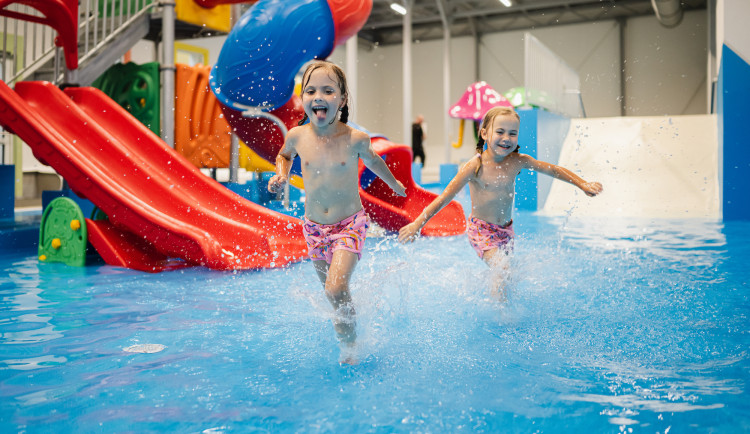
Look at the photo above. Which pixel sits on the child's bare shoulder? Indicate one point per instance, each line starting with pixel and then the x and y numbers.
pixel 296 132
pixel 471 167
pixel 359 136
pixel 525 160
pixel 359 139
pixel 473 164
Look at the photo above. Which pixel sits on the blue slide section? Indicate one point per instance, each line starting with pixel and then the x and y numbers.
pixel 266 49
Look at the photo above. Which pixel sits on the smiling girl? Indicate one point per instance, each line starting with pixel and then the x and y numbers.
pixel 491 176
pixel 335 222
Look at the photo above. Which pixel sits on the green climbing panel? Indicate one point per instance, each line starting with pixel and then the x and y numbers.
pixel 136 88
pixel 98 214
pixel 62 234
pixel 109 8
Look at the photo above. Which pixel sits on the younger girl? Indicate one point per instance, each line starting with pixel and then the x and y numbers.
pixel 335 222
pixel 491 175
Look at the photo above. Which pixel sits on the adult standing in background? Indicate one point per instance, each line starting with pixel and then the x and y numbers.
pixel 417 136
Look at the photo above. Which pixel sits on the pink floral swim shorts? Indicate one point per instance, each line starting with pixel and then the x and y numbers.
pixel 348 234
pixel 485 236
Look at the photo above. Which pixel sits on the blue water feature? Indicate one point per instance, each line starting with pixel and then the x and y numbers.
pixel 733 92
pixel 611 325
pixel 7 190
pixel 266 49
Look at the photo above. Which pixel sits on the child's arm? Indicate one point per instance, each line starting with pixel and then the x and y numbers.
pixel 377 165
pixel 283 163
pixel 563 174
pixel 407 233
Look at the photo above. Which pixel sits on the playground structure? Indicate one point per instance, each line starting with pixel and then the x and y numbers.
pixel 154 193
pixel 153 204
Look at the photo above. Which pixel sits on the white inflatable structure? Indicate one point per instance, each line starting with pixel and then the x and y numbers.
pixel 662 167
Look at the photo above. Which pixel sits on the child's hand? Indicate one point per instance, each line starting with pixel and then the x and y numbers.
pixel 408 233
pixel 276 183
pixel 401 190
pixel 592 188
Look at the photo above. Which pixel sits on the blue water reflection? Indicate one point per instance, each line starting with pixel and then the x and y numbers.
pixel 609 326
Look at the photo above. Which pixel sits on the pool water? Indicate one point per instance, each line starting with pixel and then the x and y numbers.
pixel 610 326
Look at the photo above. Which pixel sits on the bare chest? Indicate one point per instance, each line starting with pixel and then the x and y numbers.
pixel 327 158
pixel 497 179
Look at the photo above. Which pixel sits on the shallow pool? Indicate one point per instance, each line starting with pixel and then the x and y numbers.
pixel 611 325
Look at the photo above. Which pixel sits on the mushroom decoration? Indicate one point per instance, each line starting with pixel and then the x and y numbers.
pixel 473 104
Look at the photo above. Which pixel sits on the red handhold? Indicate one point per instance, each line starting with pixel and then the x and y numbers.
pixel 61 15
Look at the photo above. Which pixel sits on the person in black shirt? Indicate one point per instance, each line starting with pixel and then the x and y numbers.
pixel 417 136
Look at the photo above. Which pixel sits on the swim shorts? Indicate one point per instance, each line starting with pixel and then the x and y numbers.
pixel 485 236
pixel 348 234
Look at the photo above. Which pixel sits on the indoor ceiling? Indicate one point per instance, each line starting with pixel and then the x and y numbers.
pixel 477 17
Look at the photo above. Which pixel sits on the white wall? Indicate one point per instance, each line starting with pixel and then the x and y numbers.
pixel 666 68
pixel 591 49
pixel 732 28
pixel 146 51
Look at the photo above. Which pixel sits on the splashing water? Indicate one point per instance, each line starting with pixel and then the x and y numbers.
pixel 609 325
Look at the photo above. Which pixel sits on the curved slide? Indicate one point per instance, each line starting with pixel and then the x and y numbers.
pixel 256 68
pixel 145 187
pixel 393 212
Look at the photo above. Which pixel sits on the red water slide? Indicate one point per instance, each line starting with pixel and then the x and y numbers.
pixel 143 185
pixel 393 212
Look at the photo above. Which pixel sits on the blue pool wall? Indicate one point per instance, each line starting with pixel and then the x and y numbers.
pixel 733 111
pixel 541 136
pixel 7 190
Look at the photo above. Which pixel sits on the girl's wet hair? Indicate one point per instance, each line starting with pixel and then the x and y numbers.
pixel 340 77
pixel 489 117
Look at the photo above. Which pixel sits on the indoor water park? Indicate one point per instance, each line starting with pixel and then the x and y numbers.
pixel 155 279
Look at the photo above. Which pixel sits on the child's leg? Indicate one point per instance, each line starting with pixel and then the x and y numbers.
pixel 321 267
pixel 335 280
pixel 498 259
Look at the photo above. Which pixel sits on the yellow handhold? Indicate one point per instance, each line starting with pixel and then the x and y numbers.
pixel 75 224
pixel 56 243
pixel 460 135
pixel 42 257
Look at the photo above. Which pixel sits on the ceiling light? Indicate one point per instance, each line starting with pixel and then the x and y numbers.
pixel 506 3
pixel 400 9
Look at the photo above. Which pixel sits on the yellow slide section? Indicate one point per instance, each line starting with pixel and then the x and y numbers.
pixel 253 162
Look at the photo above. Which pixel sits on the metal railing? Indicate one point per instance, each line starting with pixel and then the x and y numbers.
pixel 97 28
pixel 28 47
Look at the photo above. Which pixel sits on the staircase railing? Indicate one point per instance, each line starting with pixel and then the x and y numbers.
pixel 26 46
pixel 29 47
pixel 99 28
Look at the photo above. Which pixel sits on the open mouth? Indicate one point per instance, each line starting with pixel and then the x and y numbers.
pixel 320 111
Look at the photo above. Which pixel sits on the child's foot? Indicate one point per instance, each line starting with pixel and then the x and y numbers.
pixel 500 295
pixel 345 324
pixel 348 354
